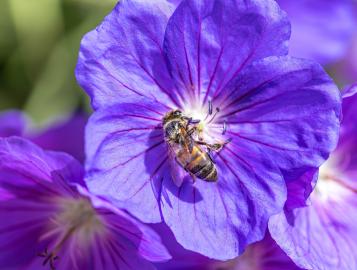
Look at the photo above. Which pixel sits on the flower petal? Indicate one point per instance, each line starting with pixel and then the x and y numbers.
pixel 289 108
pixel 208 42
pixel 20 228
pixel 127 156
pixel 122 59
pixel 21 157
pixel 315 237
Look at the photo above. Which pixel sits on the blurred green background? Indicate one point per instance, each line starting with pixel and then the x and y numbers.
pixel 39 42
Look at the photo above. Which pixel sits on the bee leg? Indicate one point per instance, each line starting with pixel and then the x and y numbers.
pixel 209 152
pixel 191 121
pixel 191 131
pixel 193 177
pixel 216 146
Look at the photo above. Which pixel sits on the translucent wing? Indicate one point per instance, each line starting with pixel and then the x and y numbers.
pixel 177 172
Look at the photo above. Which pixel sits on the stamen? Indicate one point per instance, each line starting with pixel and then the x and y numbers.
pixel 49 258
pixel 214 116
pixel 210 108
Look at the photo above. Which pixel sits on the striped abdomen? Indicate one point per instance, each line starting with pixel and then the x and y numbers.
pixel 200 164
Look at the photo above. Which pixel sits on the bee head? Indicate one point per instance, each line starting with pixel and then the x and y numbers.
pixel 175 114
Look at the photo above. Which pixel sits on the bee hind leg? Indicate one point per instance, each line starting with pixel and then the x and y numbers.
pixel 193 177
pixel 216 146
pixel 211 156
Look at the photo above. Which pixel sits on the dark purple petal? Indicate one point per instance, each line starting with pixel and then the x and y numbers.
pixel 127 156
pixel 122 59
pixel 299 191
pixel 289 109
pixel 321 30
pixel 21 157
pixel 208 42
pixel 12 123
pixel 21 226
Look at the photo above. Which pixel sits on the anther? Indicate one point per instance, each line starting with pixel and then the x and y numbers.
pixel 210 108
pixel 224 127
pixel 194 121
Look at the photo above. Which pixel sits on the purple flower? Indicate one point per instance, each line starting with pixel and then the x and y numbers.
pixel 323 236
pixel 278 115
pixel 65 135
pixel 321 30
pixel 50 221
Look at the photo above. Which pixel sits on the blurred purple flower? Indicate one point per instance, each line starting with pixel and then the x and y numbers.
pixel 65 135
pixel 282 113
pixel 323 236
pixel 346 70
pixel 321 30
pixel 48 222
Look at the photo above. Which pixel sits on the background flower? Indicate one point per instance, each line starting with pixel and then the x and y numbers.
pixel 48 221
pixel 323 235
pixel 321 30
pixel 263 255
pixel 66 135
pixel 282 114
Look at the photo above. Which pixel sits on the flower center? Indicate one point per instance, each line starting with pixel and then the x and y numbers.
pixel 76 218
pixel 206 120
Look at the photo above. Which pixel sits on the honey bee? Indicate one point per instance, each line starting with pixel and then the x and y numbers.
pixel 192 155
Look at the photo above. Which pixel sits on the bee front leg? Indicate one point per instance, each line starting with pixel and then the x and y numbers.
pixel 216 146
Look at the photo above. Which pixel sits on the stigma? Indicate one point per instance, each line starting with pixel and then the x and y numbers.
pixel 76 220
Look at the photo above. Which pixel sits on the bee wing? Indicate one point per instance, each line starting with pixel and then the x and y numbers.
pixel 177 172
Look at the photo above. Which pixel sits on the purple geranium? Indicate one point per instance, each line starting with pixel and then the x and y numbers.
pixel 65 134
pixel 280 114
pixel 321 30
pixel 50 221
pixel 323 236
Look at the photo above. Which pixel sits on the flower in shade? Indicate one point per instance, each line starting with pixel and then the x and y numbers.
pixel 65 135
pixel 50 221
pixel 263 255
pixel 321 30
pixel 323 235
pixel 222 64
